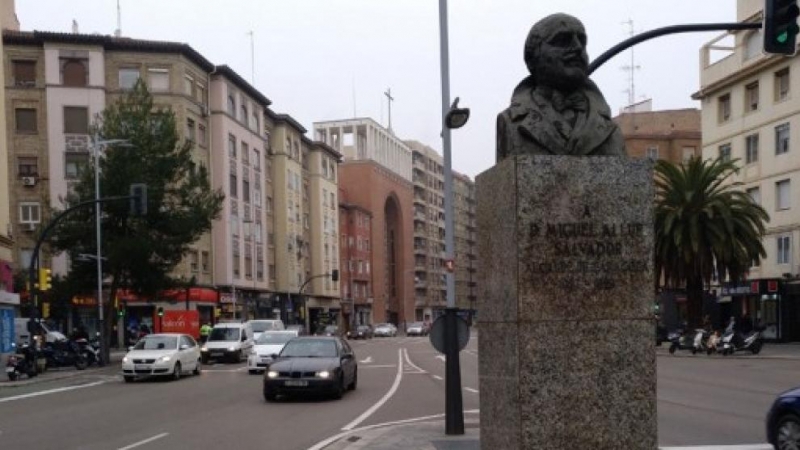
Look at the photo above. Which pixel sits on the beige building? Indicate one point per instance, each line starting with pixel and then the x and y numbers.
pixel 430 287
pixel 8 20
pixel 751 112
pixel 464 239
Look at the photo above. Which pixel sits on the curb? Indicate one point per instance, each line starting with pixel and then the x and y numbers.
pixel 58 374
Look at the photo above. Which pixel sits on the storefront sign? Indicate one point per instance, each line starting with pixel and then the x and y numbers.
pixel 9 298
pixel 6 330
pixel 187 322
pixel 84 301
pixel 772 286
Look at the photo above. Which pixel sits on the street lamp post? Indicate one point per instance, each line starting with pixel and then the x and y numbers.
pixel 96 144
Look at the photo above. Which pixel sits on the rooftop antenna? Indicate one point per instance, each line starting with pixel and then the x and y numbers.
pixel 390 99
pixel 118 32
pixel 75 29
pixel 355 114
pixel 252 58
pixel 631 68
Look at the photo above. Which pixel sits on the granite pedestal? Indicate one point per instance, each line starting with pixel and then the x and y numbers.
pixel 567 353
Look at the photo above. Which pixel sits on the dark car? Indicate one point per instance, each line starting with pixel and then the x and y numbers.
pixel 361 332
pixel 312 365
pixel 783 421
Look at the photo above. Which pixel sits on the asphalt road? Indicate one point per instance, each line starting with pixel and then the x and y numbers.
pixel 701 401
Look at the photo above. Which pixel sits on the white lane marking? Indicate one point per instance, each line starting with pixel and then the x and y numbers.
pixel 324 443
pixel 474 391
pixel 383 399
pixel 471 352
pixel 144 441
pixel 408 360
pixel 441 358
pixel 51 391
pixel 438 377
pixel 366 360
pixel 378 366
pixel 722 447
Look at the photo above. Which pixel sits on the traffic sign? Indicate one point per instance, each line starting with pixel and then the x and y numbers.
pixel 437 333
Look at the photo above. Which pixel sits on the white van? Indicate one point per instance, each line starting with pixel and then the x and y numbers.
pixel 261 325
pixel 23 336
pixel 228 341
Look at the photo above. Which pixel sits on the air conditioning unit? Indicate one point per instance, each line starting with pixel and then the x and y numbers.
pixel 29 181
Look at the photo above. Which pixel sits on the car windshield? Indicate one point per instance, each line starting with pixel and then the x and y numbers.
pixel 331 328
pixel 416 325
pixel 259 327
pixel 157 343
pixel 309 348
pixel 224 334
pixel 274 338
pixel 363 328
pixel 382 325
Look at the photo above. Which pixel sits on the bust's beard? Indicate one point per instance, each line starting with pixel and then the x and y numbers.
pixel 563 79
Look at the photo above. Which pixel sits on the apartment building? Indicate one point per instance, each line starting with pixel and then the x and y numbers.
pixel 241 262
pixel 672 135
pixel 430 286
pixel 376 174
pixel 355 227
pixel 466 264
pixel 750 111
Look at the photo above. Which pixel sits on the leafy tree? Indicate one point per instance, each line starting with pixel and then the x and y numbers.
pixel 139 251
pixel 704 225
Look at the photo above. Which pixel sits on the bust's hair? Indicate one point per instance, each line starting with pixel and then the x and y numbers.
pixel 541 31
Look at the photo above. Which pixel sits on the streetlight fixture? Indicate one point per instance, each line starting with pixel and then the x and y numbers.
pixel 96 144
pixel 456 117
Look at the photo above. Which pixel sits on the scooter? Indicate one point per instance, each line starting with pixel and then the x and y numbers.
pixel 734 342
pixel 90 350
pixel 21 363
pixel 695 342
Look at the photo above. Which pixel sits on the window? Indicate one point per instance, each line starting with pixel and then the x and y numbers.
pixel 751 144
pixel 201 134
pixel 245 153
pixel 725 152
pixel 24 73
pixel 333 201
pixel 233 186
pixel 194 261
pixel 190 130
pixel 269 204
pixel 204 261
pixel 724 107
pixel 751 97
pixel 188 85
pixel 652 153
pixel 246 190
pixel 158 79
pixel 128 77
pixel 243 114
pixel 25 119
pixel 236 264
pixel 782 195
pixel 201 93
pixel 755 195
pixel 256 159
pixel 231 146
pixel 76 120
pixel 27 166
pixel 782 84
pixel 271 273
pixel 254 122
pixel 74 164
pixel 784 249
pixel 231 106
pixel 73 73
pixel 248 267
pixel 29 213
pixel 688 153
pixel 782 139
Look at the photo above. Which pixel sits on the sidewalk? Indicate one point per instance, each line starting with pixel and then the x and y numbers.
pixel 58 373
pixel 419 435
pixel 785 351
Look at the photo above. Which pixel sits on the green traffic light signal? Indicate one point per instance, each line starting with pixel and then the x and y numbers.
pixel 780 26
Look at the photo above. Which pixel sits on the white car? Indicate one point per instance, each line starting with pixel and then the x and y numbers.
pixel 268 344
pixel 165 354
pixel 261 325
pixel 385 330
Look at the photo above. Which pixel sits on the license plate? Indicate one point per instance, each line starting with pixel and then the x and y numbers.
pixel 216 353
pixel 9 369
pixel 266 360
pixel 296 383
pixel 141 367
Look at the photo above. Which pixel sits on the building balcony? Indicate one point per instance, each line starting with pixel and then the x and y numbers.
pixel 420 216
pixel 420 250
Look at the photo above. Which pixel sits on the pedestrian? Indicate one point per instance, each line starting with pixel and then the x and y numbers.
pixel 205 330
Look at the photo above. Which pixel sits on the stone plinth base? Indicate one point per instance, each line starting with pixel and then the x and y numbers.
pixel 567 356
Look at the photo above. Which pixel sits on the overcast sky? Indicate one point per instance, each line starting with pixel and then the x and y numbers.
pixel 330 59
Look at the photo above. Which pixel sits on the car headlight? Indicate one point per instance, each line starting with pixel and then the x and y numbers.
pixel 204 349
pixel 323 374
pixel 272 374
pixel 125 359
pixel 231 349
pixel 165 358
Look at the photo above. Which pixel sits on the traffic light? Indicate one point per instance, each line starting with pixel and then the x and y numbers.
pixel 45 279
pixel 780 26
pixel 335 275
pixel 138 195
pixel 160 311
pixel 121 310
pixel 45 310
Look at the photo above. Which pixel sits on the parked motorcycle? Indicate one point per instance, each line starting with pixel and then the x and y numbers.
pixel 733 341
pixel 90 350
pixel 64 353
pixel 692 341
pixel 21 363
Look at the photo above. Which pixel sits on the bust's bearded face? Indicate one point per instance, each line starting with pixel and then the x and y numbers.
pixel 562 62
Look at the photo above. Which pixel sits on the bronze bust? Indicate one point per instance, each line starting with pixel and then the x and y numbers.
pixel 557 110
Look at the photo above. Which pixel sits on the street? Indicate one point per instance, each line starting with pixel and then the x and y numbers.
pixel 702 401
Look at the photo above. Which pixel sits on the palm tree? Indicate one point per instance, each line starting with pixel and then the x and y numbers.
pixel 704 225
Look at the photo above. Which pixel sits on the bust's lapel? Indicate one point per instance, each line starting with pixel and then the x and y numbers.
pixel 593 128
pixel 530 115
